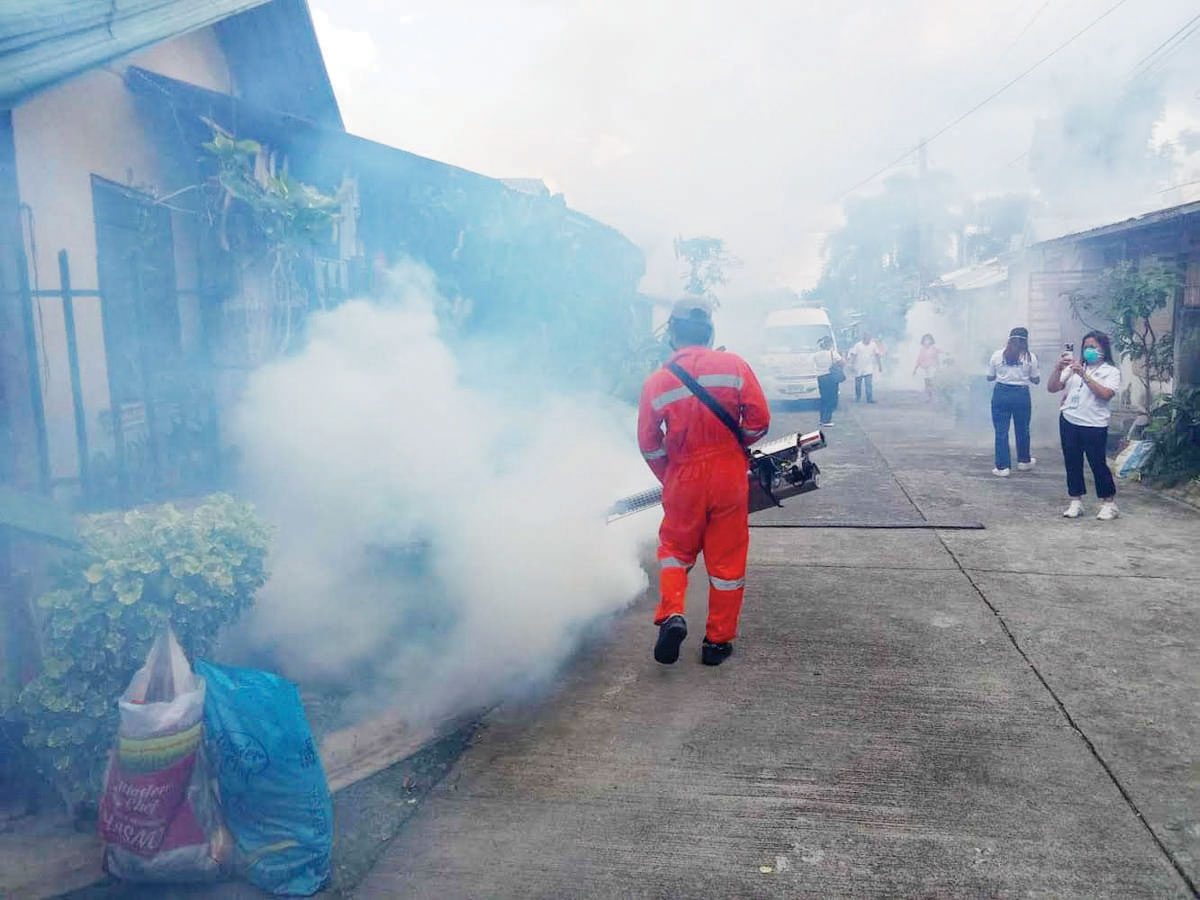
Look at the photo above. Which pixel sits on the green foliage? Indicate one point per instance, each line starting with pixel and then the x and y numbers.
pixel 890 242
pixel 991 225
pixel 288 216
pixel 136 572
pixel 896 242
pixel 706 259
pixel 1123 304
pixel 643 355
pixel 273 224
pixel 1175 429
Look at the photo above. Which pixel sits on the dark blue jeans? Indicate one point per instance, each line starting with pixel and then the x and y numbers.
pixel 1010 402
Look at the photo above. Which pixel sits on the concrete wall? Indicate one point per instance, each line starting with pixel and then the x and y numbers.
pixel 90 126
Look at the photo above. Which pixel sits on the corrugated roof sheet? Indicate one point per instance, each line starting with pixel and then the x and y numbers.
pixel 972 278
pixel 1155 217
pixel 43 42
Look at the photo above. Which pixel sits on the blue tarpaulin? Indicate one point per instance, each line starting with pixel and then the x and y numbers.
pixel 273 789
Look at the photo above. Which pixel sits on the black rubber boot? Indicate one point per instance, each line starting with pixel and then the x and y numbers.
pixel 670 635
pixel 714 654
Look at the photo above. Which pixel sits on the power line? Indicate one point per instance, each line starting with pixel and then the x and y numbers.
pixel 1176 187
pixel 986 100
pixel 1161 60
pixel 1149 56
pixel 1037 15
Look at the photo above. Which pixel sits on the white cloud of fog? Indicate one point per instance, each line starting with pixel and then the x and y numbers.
pixel 740 120
pixel 369 445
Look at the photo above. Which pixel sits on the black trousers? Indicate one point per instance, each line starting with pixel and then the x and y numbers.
pixel 828 386
pixel 1079 441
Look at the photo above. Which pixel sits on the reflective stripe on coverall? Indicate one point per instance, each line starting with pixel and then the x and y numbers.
pixel 705 487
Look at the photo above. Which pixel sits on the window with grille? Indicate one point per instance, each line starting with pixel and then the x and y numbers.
pixel 1191 284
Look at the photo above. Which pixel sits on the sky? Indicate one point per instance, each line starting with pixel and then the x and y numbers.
pixel 752 121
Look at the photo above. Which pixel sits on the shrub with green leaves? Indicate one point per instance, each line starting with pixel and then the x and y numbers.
pixel 1175 429
pixel 137 571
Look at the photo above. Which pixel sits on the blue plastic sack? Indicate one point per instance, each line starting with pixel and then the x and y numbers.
pixel 273 789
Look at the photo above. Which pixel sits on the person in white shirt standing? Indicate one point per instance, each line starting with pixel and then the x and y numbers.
pixel 1090 383
pixel 1014 368
pixel 866 358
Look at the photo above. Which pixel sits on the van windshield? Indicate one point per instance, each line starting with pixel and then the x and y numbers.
pixel 796 338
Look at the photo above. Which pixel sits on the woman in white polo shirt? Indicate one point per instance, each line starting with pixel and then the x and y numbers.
pixel 1014 369
pixel 1090 382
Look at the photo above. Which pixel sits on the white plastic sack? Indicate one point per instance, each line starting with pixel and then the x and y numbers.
pixel 164 696
pixel 159 817
pixel 1133 458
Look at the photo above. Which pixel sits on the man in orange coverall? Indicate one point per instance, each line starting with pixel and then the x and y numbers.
pixel 703 468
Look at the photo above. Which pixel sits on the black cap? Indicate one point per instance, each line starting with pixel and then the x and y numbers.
pixel 1019 332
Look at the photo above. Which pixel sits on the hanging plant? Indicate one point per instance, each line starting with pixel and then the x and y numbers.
pixel 274 225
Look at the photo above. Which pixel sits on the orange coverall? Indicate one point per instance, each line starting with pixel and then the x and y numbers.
pixel 704 475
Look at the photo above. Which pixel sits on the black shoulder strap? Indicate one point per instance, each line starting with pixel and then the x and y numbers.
pixel 708 400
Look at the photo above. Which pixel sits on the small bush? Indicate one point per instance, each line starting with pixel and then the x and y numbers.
pixel 1175 429
pixel 136 572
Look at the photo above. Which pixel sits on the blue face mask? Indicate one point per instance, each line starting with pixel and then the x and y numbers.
pixel 1091 354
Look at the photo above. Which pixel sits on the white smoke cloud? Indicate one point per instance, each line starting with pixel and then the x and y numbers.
pixel 744 122
pixel 439 541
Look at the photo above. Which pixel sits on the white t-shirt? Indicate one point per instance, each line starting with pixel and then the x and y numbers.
pixel 1081 406
pixel 1021 374
pixel 823 361
pixel 863 357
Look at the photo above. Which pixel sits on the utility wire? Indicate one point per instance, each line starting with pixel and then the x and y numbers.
pixel 1156 58
pixel 1191 27
pixel 1155 52
pixel 1037 15
pixel 986 100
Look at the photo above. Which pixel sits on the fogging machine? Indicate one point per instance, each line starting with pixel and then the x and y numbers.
pixel 777 470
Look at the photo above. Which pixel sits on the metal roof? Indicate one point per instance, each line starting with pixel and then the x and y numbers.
pixel 43 42
pixel 1157 217
pixel 331 149
pixel 972 278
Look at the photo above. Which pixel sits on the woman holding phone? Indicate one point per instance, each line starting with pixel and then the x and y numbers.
pixel 1090 383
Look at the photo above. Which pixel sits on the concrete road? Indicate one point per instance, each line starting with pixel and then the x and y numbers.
pixel 911 711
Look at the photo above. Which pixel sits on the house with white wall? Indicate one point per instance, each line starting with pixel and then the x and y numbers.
pixel 101 256
pixel 1046 274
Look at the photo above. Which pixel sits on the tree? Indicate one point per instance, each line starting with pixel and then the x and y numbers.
pixel 992 224
pixel 896 242
pixel 1123 304
pixel 891 244
pixel 706 259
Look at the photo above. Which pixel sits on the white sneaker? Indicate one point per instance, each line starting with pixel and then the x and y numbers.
pixel 1108 511
pixel 1025 467
pixel 1001 473
pixel 826 424
pixel 1074 511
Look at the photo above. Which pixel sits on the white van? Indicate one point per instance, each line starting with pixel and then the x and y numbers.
pixel 793 357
